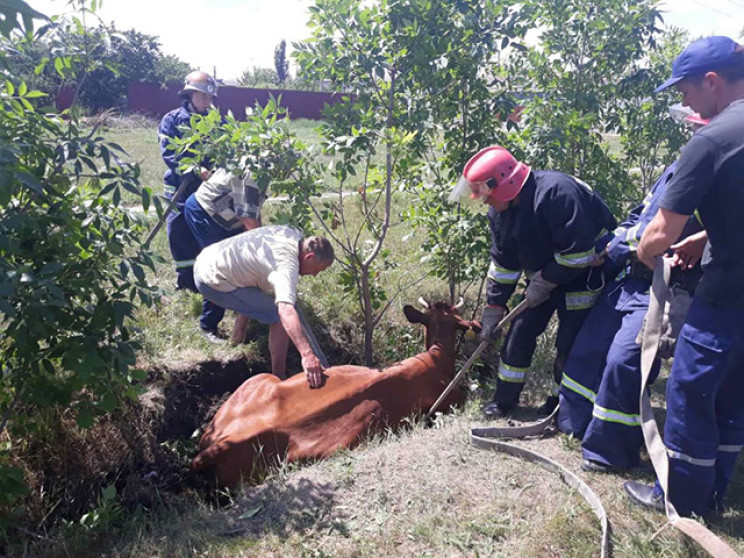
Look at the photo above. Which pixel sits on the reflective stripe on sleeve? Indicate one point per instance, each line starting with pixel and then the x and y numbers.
pixel 576 387
pixel 609 415
pixel 691 460
pixel 513 374
pixel 581 300
pixel 634 236
pixel 730 448
pixel 580 259
pixel 503 275
pixel 698 218
pixel 184 263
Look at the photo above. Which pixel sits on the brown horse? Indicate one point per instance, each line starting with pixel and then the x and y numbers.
pixel 267 419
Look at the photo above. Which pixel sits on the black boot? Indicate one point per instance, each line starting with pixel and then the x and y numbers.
pixel 493 410
pixel 644 495
pixel 548 407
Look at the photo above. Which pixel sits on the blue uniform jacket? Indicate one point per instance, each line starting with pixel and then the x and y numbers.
pixel 169 128
pixel 554 228
pixel 627 236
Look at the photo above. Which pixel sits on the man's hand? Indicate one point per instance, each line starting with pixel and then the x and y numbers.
pixel 491 317
pixel 538 291
pixel 645 258
pixel 688 251
pixel 314 370
pixel 598 259
pixel 660 234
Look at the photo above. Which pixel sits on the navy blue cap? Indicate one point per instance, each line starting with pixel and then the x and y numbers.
pixel 704 55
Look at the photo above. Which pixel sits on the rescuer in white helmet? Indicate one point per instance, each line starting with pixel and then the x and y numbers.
pixel 197 95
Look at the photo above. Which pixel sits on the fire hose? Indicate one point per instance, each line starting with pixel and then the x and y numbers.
pixel 485 438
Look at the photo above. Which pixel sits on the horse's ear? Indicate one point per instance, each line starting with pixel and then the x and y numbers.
pixel 414 316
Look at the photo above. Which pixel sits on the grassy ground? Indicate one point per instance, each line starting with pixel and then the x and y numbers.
pixel 418 492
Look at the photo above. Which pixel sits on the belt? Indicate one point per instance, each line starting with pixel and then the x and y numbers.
pixel 687 279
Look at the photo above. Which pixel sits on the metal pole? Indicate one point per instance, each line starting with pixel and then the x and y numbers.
pixel 171 204
pixel 506 321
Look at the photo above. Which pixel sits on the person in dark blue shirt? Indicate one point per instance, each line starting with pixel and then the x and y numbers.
pixel 704 428
pixel 550 226
pixel 197 95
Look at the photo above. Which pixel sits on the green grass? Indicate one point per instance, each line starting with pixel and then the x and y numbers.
pixel 418 492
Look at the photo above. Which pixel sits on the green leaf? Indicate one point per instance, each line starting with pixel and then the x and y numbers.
pixel 84 418
pixel 108 402
pixel 138 374
pixel 109 493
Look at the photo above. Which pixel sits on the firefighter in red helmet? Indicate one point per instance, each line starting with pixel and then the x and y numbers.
pixel 551 227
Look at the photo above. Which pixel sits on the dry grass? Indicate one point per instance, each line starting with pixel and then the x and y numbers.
pixel 421 492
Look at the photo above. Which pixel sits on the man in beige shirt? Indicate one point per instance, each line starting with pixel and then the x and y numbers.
pixel 255 274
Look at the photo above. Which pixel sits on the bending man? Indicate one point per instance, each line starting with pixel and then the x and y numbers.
pixel 602 379
pixel 255 274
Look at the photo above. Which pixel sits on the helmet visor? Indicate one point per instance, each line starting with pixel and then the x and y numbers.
pixel 466 190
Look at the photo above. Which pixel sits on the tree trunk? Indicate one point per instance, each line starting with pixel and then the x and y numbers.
pixel 368 318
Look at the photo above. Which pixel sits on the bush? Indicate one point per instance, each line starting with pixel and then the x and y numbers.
pixel 72 267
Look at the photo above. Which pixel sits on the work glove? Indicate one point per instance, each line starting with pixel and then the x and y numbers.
pixel 538 291
pixel 492 316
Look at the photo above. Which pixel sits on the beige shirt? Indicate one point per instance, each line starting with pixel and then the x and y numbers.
pixel 266 257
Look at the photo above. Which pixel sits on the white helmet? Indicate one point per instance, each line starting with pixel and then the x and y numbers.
pixel 199 81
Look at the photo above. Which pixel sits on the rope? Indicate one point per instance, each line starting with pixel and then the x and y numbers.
pixel 654 444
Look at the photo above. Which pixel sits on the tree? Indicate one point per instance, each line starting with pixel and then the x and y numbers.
pixel 651 140
pixel 112 60
pixel 386 136
pixel 281 64
pixel 72 267
pixel 586 49
pixel 258 77
pixel 469 99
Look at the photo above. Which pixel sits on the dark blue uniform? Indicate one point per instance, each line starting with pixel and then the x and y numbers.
pixel 601 382
pixel 704 428
pixel 556 228
pixel 183 246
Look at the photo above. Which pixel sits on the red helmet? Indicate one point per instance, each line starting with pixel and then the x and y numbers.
pixel 199 81
pixel 492 172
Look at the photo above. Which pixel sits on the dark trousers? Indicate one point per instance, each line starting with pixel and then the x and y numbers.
pixel 572 302
pixel 184 248
pixel 704 429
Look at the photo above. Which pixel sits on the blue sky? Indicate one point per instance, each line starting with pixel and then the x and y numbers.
pixel 232 35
